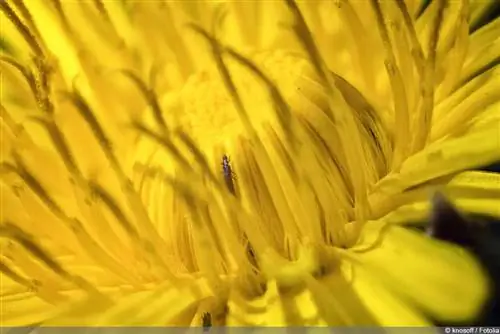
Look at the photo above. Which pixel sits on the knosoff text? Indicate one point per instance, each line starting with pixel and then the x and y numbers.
pixel 464 330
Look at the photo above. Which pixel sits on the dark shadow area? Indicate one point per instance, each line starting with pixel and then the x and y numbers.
pixel 491 14
pixel 494 168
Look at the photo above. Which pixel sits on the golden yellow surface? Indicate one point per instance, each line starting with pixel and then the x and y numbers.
pixel 340 119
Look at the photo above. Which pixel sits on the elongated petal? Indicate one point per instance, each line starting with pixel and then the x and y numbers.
pixel 441 270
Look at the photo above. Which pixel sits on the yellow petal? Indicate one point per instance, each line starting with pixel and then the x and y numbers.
pixel 386 306
pixel 427 274
pixel 471 192
pixel 475 149
pixel 24 308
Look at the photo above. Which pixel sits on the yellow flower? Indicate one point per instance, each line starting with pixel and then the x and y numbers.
pixel 338 119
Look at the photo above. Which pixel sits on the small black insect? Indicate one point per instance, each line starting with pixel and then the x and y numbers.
pixel 206 320
pixel 251 255
pixel 228 173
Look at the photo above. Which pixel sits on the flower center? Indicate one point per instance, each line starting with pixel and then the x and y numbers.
pixel 205 107
pixel 282 204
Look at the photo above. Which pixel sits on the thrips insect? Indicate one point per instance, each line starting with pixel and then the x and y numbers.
pixel 229 176
pixel 206 320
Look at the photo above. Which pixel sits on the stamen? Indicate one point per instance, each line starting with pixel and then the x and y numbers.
pixel 361 40
pixel 5 269
pixel 281 108
pixel 246 14
pixel 327 144
pixel 402 118
pixel 373 128
pixel 143 222
pixel 217 238
pixel 232 249
pixel 85 111
pixel 456 58
pixel 61 145
pixel 305 37
pixel 47 285
pixel 8 121
pixel 417 52
pixel 101 9
pixel 346 124
pixel 28 178
pixel 64 20
pixel 460 118
pixel 182 54
pixel 309 185
pixel 345 307
pixel 198 155
pixel 23 29
pixel 118 22
pixel 28 19
pixel 151 98
pixel 406 61
pixel 85 243
pixel 27 74
pixel 261 183
pixel 259 149
pixel 109 234
pixel 424 119
pixel 11 231
pixel 166 144
pixel 208 259
pixel 108 200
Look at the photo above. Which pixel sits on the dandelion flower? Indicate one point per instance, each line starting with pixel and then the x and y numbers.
pixel 242 163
